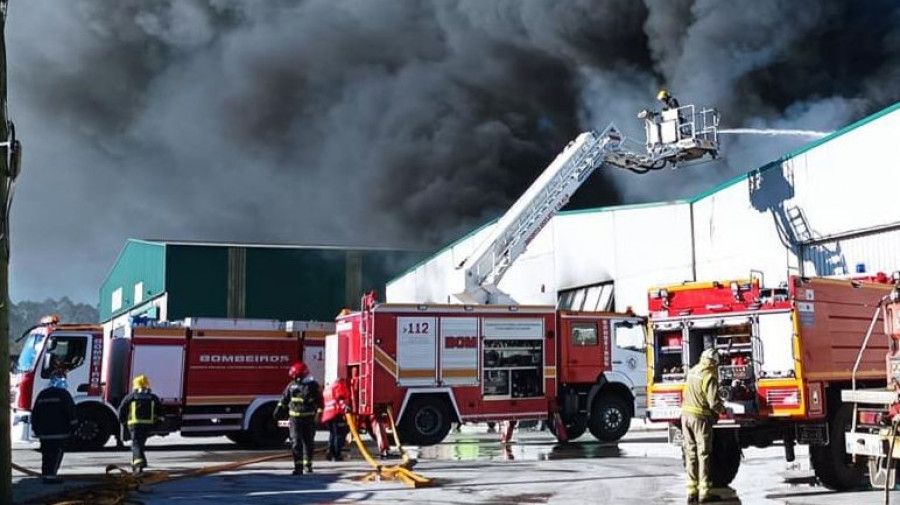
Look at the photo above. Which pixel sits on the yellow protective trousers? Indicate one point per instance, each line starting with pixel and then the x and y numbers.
pixel 697 432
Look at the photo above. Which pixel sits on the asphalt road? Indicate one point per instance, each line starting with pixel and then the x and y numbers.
pixel 470 468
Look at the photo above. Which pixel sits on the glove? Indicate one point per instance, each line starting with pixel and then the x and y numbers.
pixel 347 409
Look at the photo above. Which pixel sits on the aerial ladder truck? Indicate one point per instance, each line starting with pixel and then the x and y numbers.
pixel 487 358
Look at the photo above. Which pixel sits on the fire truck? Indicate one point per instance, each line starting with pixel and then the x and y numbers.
pixel 489 359
pixel 214 376
pixel 871 439
pixel 433 365
pixel 786 354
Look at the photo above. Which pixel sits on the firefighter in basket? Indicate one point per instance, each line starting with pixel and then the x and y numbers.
pixel 302 399
pixel 140 411
pixel 700 408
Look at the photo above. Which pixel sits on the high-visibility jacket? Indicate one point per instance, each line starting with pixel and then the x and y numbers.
pixel 301 397
pixel 141 408
pixel 337 400
pixel 701 392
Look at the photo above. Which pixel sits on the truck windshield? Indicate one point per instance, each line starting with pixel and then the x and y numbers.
pixel 29 353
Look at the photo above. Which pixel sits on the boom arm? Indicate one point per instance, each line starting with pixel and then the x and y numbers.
pixel 514 231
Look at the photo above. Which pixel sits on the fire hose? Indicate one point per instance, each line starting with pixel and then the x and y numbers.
pixel 118 482
pixel 402 471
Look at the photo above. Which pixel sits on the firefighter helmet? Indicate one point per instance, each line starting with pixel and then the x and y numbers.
pixel 710 355
pixel 141 382
pixel 662 95
pixel 298 370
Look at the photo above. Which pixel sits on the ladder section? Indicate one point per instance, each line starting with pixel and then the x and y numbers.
pixel 528 215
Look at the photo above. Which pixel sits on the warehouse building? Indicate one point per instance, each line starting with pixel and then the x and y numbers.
pixel 169 280
pixel 825 209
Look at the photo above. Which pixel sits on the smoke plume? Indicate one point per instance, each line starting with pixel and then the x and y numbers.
pixel 391 123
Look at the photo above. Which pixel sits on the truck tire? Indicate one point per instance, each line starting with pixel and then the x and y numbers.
pixel 725 460
pixel 574 428
pixel 610 418
pixel 426 421
pixel 832 465
pixel 93 428
pixel 263 430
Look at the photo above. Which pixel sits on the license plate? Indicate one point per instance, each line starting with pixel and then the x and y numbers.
pixel 664 413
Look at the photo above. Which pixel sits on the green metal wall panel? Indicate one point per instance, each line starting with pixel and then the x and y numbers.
pixel 139 262
pixel 295 283
pixel 197 281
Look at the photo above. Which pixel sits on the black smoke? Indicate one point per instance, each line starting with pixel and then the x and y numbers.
pixel 391 123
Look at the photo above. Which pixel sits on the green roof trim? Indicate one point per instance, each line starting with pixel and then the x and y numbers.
pixel 614 208
pixel 591 210
pixel 442 249
pixel 797 152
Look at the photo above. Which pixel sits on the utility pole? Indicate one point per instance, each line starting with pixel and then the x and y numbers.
pixel 9 169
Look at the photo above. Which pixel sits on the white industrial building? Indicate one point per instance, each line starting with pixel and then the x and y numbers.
pixel 828 208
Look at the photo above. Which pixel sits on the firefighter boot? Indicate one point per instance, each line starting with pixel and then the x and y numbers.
pixel 307 466
pixel 298 468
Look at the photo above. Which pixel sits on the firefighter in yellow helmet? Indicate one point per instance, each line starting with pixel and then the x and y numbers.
pixel 700 408
pixel 140 411
pixel 668 101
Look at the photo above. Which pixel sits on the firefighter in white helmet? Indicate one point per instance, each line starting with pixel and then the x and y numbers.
pixel 700 408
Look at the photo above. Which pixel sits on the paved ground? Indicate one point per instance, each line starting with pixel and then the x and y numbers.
pixel 470 468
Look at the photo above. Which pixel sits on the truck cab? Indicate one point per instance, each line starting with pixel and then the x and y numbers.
pixel 76 348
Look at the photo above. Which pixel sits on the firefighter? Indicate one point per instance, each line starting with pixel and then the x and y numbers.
pixel 668 101
pixel 337 403
pixel 303 401
pixel 140 411
pixel 700 408
pixel 53 420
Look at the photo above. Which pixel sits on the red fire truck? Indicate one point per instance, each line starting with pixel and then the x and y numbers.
pixel 214 376
pixel 785 355
pixel 871 440
pixel 437 364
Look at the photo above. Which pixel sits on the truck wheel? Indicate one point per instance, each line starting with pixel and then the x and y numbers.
pixel 832 465
pixel 264 431
pixel 610 418
pixel 725 459
pixel 425 422
pixel 574 428
pixel 93 429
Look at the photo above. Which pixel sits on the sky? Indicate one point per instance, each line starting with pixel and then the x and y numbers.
pixel 398 123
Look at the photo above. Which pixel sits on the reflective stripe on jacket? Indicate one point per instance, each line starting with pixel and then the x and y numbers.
pixel 701 392
pixel 302 398
pixel 141 407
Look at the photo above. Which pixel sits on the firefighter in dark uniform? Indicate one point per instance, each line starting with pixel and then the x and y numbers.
pixel 140 411
pixel 53 420
pixel 302 399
